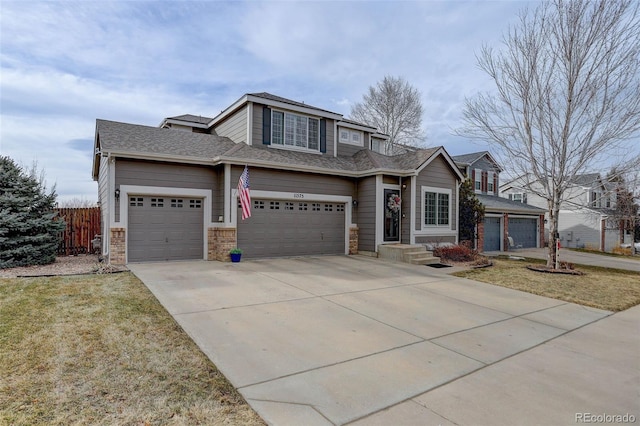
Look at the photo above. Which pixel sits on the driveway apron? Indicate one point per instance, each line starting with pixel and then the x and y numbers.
pixel 338 339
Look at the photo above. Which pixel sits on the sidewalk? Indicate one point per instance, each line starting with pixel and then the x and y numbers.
pixel 580 258
pixel 590 375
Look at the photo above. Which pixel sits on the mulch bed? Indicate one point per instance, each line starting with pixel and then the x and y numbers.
pixel 544 268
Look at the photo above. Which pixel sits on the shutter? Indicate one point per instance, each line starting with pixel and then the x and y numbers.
pixel 495 183
pixel 266 126
pixel 511 197
pixel 323 135
pixel 484 182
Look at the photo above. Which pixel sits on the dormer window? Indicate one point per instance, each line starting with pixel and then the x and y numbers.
pixel 351 137
pixel 295 131
pixel 519 197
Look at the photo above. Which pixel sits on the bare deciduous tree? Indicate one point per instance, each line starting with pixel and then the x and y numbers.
pixel 395 109
pixel 568 95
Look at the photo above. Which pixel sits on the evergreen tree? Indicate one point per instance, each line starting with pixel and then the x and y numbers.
pixel 471 211
pixel 28 226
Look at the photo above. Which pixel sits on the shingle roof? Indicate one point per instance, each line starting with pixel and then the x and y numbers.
pixel 191 118
pixel 137 139
pixel 269 96
pixel 468 158
pixel 494 203
pixel 586 179
pixel 125 138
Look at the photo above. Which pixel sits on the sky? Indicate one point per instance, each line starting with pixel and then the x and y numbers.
pixel 66 64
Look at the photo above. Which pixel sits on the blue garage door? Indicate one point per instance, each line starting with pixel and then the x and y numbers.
pixel 491 234
pixel 523 231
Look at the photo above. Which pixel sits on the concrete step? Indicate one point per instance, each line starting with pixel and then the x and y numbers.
pixel 424 260
pixel 415 254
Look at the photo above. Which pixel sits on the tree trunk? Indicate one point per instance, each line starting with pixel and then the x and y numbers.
pixel 554 211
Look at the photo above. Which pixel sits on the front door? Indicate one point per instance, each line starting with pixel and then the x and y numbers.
pixel 391 215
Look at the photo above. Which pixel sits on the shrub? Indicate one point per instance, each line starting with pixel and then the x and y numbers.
pixel 28 226
pixel 455 253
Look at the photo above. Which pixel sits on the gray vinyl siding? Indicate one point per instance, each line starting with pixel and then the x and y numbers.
pixel 234 127
pixel 103 197
pixel 437 174
pixel 295 182
pixel 149 173
pixel 405 223
pixel 346 149
pixel 256 126
pixel 218 194
pixel 367 214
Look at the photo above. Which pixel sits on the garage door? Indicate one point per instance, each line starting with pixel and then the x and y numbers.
pixel 164 228
pixel 524 232
pixel 491 234
pixel 288 228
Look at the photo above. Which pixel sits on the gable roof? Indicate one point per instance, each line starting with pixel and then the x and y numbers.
pixel 470 159
pixel 274 102
pixel 587 179
pixel 494 203
pixel 190 118
pixel 162 144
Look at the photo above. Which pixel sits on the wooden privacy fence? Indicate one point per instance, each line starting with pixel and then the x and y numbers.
pixel 83 224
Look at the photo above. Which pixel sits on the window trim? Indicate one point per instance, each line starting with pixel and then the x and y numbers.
pixel 351 133
pixel 293 145
pixel 445 191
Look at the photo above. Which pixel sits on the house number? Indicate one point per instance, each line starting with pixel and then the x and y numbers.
pixel 298 195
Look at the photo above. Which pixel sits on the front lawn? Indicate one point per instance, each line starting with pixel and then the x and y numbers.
pixel 100 349
pixel 603 288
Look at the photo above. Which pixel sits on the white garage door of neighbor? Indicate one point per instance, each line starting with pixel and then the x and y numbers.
pixel 164 228
pixel 292 228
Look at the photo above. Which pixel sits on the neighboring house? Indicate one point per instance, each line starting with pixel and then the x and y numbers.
pixel 507 224
pixel 317 185
pixel 584 219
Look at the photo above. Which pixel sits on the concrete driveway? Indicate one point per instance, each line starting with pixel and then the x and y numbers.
pixel 337 339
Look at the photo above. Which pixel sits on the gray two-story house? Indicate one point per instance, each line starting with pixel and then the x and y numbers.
pixel 317 185
pixel 508 223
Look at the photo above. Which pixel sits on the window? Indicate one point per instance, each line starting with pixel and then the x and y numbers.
pixel 519 197
pixel 490 182
pixel 288 206
pixel 274 205
pixel 176 202
pixel 258 204
pixel 195 204
pixel 136 202
pixel 376 145
pixel 351 137
pixel 157 202
pixel 437 207
pixel 302 206
pixel 296 131
pixel 340 208
pixel 478 180
pixel 315 207
pixel 328 207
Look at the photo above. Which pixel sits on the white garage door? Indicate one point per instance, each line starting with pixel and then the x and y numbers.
pixel 164 228
pixel 292 228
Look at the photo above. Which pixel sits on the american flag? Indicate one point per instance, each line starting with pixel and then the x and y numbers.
pixel 243 193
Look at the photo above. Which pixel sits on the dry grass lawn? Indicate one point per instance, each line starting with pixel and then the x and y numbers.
pixel 100 349
pixel 609 289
